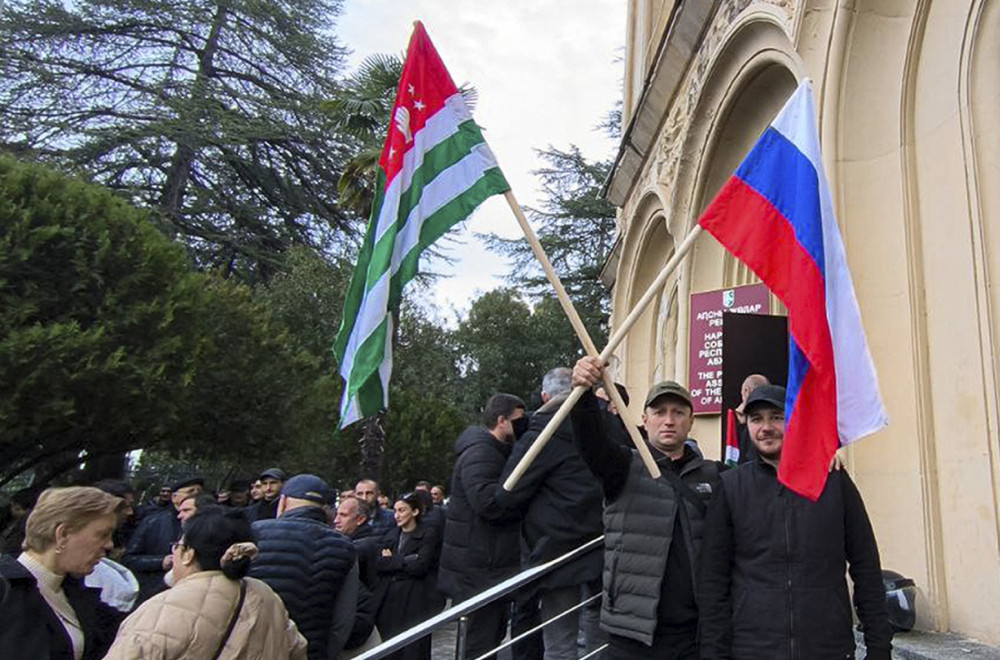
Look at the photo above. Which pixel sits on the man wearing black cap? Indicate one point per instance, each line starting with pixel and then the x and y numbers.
pixel 271 480
pixel 772 579
pixel 311 566
pixel 652 527
pixel 147 554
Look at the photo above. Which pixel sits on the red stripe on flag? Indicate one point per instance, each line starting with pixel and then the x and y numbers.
pixel 750 227
pixel 810 437
pixel 423 88
pixel 732 438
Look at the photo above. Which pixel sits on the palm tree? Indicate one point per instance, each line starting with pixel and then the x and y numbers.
pixel 361 110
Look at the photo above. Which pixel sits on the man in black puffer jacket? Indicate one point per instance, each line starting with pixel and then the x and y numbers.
pixel 652 527
pixel 480 538
pixel 311 566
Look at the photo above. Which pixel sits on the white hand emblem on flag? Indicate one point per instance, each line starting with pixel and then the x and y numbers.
pixel 403 123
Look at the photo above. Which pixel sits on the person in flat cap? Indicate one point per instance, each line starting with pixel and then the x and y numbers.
pixel 652 527
pixel 312 567
pixel 272 480
pixel 783 558
pixel 148 553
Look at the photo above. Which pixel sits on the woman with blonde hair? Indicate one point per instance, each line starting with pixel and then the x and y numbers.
pixel 212 611
pixel 49 613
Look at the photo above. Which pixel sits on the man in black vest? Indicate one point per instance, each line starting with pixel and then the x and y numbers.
pixel 652 527
pixel 311 566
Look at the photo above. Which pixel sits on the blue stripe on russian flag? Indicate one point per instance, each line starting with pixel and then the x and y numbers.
pixel 798 367
pixel 777 170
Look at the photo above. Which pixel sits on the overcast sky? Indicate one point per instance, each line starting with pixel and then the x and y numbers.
pixel 547 72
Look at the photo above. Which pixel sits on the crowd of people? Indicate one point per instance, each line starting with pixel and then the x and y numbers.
pixel 701 562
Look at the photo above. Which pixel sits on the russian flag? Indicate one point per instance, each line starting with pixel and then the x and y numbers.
pixel 776 215
pixel 732 458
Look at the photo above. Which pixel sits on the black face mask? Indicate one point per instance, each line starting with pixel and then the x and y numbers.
pixel 520 425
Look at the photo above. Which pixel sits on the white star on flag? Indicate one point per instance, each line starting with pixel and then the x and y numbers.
pixel 410 89
pixel 419 105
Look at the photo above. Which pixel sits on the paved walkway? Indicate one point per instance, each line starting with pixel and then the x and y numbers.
pixel 443 643
pixel 906 646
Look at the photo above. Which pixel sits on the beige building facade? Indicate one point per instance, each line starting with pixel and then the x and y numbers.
pixel 908 96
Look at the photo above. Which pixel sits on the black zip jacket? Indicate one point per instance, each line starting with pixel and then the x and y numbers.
pixel 772 582
pixel 480 537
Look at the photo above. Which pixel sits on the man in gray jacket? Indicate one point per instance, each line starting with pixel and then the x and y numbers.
pixel 652 527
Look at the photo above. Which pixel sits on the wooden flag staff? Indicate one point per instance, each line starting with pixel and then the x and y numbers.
pixel 581 332
pixel 616 338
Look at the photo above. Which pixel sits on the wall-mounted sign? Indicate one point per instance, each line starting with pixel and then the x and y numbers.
pixel 705 347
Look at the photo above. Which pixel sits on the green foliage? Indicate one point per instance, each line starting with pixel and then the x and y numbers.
pixel 110 342
pixel 576 228
pixel 420 431
pixel 95 321
pixel 507 346
pixel 208 111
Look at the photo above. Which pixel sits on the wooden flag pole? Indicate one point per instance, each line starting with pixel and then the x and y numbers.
pixel 581 332
pixel 616 338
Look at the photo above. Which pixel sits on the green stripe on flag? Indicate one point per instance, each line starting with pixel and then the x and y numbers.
pixel 356 289
pixel 384 267
pixel 438 223
pixel 438 159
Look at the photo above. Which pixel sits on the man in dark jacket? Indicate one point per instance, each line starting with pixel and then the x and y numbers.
pixel 561 500
pixel 772 579
pixel 311 566
pixel 652 527
pixel 480 537
pixel 351 520
pixel 272 480
pixel 148 554
pixel 382 518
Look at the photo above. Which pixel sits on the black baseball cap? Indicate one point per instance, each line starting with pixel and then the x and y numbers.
pixel 184 482
pixel 771 395
pixel 272 473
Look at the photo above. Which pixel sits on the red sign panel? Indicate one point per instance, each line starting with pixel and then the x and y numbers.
pixel 705 348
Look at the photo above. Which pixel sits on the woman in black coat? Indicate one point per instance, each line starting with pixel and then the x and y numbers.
pixel 408 563
pixel 49 614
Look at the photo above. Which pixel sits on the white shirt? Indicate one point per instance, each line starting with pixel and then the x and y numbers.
pixel 118 586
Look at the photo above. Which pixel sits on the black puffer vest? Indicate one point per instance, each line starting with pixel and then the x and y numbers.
pixel 638 531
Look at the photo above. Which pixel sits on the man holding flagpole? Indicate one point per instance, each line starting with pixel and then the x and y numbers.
pixel 652 526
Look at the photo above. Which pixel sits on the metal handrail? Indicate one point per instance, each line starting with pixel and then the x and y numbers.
pixel 532 631
pixel 462 609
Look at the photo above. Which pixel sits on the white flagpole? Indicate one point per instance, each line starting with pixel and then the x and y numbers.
pixel 616 338
pixel 581 332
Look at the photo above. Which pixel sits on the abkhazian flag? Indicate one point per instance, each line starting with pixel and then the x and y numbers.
pixel 776 215
pixel 732 440
pixel 435 169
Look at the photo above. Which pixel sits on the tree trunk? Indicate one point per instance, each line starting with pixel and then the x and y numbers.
pixel 180 164
pixel 372 444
